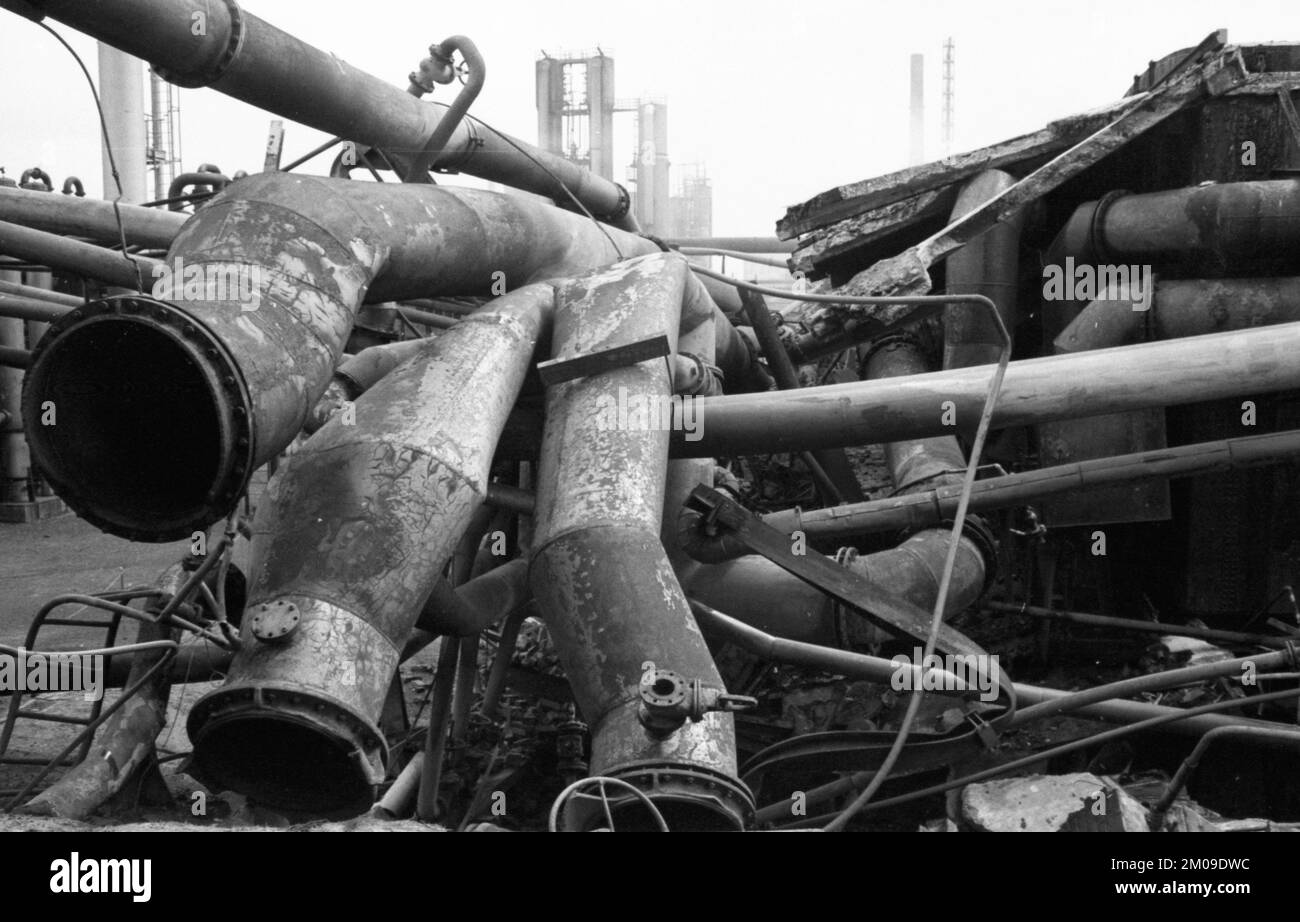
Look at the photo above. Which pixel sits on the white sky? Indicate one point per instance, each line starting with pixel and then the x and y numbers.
pixel 780 100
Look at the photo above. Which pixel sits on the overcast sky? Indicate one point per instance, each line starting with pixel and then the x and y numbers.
pixel 779 100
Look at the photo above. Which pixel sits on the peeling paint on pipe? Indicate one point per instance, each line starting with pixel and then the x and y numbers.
pixel 303 253
pixel 347 545
pixel 598 570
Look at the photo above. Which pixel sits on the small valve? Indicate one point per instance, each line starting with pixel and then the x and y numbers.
pixel 668 700
pixel 436 68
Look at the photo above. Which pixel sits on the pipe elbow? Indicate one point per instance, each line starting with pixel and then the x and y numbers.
pixel 36 178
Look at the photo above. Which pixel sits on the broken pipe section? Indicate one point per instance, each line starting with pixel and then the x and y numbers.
pixel 348 543
pixel 599 572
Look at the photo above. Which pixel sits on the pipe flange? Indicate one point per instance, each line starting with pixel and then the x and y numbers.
pixel 275 622
pixel 1097 225
pixel 895 340
pixel 221 374
pixel 983 538
pixel 624 205
pixel 306 705
pixel 354 754
pixel 234 45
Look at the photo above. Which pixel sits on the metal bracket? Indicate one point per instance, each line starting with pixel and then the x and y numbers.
pixel 558 370
pixel 893 613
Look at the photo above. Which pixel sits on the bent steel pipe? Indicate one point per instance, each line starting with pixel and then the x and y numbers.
pixel 989 265
pixel 347 546
pixel 1220 223
pixel 598 570
pixel 226 362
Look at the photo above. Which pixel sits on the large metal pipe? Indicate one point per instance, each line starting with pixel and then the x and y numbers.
pixel 155 228
pixel 216 378
pixel 347 544
pixel 934 461
pixel 358 374
pixel 1219 223
pixel 1132 308
pixel 599 572
pixel 683 476
pixel 1189 370
pixel 989 265
pixel 477 604
pixel 93 219
pixel 763 595
pixel 244 57
pixel 1179 308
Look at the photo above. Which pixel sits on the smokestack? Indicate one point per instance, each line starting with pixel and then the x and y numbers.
pixel 121 93
pixel 916 153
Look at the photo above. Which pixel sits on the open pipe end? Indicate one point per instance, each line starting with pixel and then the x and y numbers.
pixel 286 750
pixel 138 417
